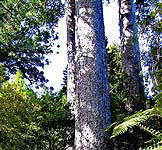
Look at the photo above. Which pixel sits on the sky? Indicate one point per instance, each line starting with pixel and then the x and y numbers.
pixel 54 71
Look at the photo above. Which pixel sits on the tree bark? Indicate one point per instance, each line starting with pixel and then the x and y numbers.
pixel 70 19
pixel 130 55
pixel 92 112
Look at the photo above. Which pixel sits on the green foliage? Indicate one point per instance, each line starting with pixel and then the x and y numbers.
pixel 3 76
pixel 15 109
pixel 155 142
pixel 137 120
pixel 29 122
pixel 54 117
pixel 118 84
pixel 27 31
pixel 116 78
pixel 131 121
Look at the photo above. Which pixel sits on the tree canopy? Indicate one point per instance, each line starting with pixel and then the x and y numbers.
pixel 27 33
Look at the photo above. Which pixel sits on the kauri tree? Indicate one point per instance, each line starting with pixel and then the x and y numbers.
pixel 130 55
pixel 92 112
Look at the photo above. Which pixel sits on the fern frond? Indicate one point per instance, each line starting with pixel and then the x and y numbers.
pixel 111 126
pixel 156 146
pixel 150 130
pixel 156 139
pixel 147 112
pixel 123 127
pixel 131 122
pixel 154 143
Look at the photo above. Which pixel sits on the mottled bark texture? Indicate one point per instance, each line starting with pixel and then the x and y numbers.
pixel 130 55
pixel 92 113
pixel 70 19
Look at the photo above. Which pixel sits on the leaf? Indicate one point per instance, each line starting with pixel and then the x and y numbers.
pixel 152 14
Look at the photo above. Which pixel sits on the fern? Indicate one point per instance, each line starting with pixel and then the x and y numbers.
pixel 155 146
pixel 130 122
pixel 111 126
pixel 156 142
pixel 150 130
pixel 138 118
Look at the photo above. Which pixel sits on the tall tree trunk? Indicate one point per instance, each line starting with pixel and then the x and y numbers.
pixel 130 55
pixel 70 13
pixel 92 113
